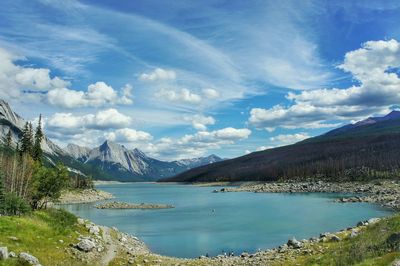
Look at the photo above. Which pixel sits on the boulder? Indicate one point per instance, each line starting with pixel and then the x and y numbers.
pixel 12 254
pixel 373 220
pixel 294 243
pixel 94 230
pixel 86 245
pixel 28 258
pixel 396 263
pixel 335 238
pixel 3 253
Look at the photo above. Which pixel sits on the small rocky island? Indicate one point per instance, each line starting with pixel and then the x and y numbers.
pixel 124 205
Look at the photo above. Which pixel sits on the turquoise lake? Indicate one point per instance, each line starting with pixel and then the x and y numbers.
pixel 204 222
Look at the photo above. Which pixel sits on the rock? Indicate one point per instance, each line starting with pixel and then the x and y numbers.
pixel 94 230
pixel 86 245
pixel 373 220
pixel 12 254
pixel 13 238
pixel 81 221
pixel 361 223
pixel 61 241
pixel 283 248
pixel 335 238
pixel 3 253
pixel 28 258
pixel 294 243
pixel 244 255
pixel 396 263
pixel 123 239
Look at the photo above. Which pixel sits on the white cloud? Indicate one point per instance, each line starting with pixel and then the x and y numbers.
pixel 180 96
pixel 201 122
pixel 73 124
pixel 210 93
pixel 128 135
pixel 195 145
pixel 158 74
pixel 15 79
pixel 286 139
pixel 377 91
pixel 98 94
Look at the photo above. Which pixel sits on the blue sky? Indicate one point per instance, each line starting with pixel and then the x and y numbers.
pixel 181 79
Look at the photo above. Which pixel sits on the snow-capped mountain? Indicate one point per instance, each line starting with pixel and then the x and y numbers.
pixel 9 120
pixel 129 165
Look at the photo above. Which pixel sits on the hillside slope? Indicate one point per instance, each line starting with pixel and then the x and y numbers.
pixel 365 151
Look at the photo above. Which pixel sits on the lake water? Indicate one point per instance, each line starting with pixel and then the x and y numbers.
pixel 204 222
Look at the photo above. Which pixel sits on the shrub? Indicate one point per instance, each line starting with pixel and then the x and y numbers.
pixel 59 219
pixel 14 205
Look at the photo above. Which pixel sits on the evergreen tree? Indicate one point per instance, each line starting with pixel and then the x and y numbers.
pixel 37 149
pixel 2 194
pixel 8 141
pixel 26 140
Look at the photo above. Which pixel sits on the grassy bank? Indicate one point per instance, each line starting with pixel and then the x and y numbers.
pixel 50 234
pixel 44 234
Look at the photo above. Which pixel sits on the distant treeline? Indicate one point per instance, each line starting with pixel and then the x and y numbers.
pixel 337 159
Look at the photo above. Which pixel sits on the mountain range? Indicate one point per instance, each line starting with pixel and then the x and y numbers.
pixel 109 161
pixel 367 149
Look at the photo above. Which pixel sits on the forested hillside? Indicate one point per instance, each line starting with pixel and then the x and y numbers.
pixel 361 152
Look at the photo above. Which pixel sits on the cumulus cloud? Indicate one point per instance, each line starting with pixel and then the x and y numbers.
pixel 158 74
pixel 73 124
pixel 19 82
pixel 180 96
pixel 377 91
pixel 15 79
pixel 194 145
pixel 210 93
pixel 286 139
pixel 97 94
pixel 128 135
pixel 201 122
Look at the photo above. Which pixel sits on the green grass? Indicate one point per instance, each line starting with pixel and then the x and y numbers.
pixel 371 247
pixel 39 234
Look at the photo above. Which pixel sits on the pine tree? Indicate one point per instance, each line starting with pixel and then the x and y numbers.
pixel 26 140
pixel 9 139
pixel 37 149
pixel 2 194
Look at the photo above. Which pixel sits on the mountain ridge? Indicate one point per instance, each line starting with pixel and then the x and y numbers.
pixel 109 161
pixel 113 157
pixel 352 152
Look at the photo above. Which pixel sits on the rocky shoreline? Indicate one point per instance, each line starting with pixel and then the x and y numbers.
pixel 98 241
pixel 385 193
pixel 83 196
pixel 124 205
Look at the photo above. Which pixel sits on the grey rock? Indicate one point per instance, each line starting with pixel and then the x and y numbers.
pixel 294 243
pixel 12 254
pixel 28 258
pixel 396 263
pixel 3 253
pixel 86 245
pixel 335 238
